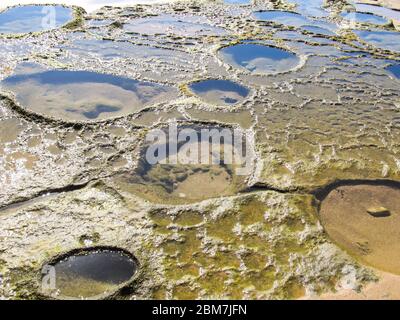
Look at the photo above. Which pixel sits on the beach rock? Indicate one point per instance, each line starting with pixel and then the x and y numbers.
pixel 378 212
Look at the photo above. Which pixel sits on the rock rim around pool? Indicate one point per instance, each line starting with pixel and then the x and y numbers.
pixel 80 96
pixel 62 283
pixel 219 92
pixel 201 170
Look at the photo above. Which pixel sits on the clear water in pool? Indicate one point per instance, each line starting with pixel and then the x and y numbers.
pixel 220 92
pixel 25 19
pixel 83 95
pixel 394 70
pixel 173 24
pixel 361 17
pixel 260 59
pixel 387 40
pixel 91 273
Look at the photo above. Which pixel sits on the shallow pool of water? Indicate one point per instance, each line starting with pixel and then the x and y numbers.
pixel 166 24
pixel 260 59
pixel 33 18
pixel 364 219
pixel 282 17
pixel 394 70
pixel 361 17
pixel 90 273
pixel 219 92
pixel 387 40
pixel 313 8
pixel 109 50
pixel 83 95
pixel 378 10
pixel 88 5
pixel 189 167
pixel 292 19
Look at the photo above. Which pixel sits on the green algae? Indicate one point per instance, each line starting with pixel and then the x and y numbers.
pixel 246 251
pixel 262 245
pixel 188 218
pixel 223 228
pixel 184 292
pixel 252 212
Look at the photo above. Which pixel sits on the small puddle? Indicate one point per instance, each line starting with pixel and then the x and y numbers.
pixel 195 169
pixel 361 17
pixel 386 40
pixel 260 59
pixel 364 219
pixel 394 70
pixel 184 26
pixel 109 50
pixel 285 18
pixel 33 18
pixel 220 92
pixel 292 19
pixel 89 273
pixel 312 8
pixel 84 95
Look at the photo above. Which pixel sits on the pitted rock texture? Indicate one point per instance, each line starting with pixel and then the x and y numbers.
pixel 334 116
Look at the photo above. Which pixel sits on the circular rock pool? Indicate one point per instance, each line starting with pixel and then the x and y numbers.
pixel 364 219
pixel 83 95
pixel 219 92
pixel 88 273
pixel 34 18
pixel 260 59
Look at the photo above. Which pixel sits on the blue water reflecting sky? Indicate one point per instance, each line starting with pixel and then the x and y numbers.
pixel 27 19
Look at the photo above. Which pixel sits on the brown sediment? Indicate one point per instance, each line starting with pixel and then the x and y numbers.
pixel 373 240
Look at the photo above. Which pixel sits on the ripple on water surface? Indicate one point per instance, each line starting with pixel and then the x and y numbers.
pixel 25 19
pixel 219 92
pixel 91 272
pixel 260 59
pixel 83 95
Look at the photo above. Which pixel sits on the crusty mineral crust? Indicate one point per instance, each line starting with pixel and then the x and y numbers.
pixel 336 117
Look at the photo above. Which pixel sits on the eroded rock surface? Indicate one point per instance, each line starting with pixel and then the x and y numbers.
pixel 330 111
